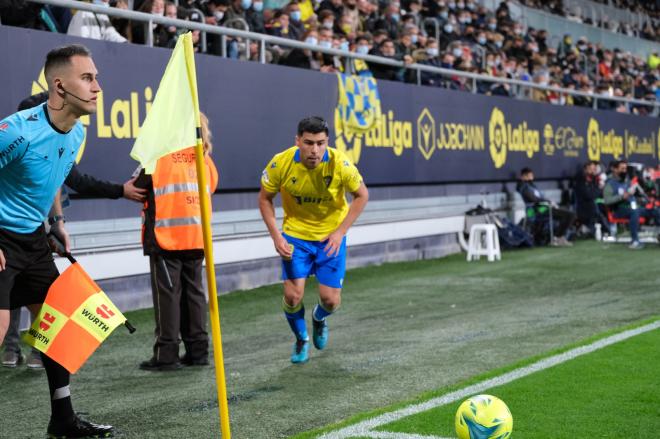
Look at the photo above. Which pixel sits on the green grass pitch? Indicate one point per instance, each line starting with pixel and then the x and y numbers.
pixel 405 332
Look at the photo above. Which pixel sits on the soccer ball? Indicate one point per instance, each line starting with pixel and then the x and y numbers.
pixel 483 417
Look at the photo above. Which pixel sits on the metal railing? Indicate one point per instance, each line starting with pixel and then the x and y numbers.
pixel 265 40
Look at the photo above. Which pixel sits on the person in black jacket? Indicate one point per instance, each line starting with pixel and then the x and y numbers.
pixel 83 184
pixel 587 192
pixel 392 73
pixel 535 199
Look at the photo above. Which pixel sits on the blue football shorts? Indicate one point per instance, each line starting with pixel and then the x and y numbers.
pixel 309 259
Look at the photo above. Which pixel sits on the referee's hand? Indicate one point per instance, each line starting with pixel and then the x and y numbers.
pixel 3 262
pixel 61 234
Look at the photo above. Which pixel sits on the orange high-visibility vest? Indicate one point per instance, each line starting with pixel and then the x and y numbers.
pixel 178 220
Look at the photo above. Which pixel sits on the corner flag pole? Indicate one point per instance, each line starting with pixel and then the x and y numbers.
pixel 204 201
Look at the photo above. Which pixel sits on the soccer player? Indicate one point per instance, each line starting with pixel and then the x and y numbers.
pixel 38 147
pixel 313 179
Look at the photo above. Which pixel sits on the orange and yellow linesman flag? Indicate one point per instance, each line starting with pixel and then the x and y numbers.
pixel 74 320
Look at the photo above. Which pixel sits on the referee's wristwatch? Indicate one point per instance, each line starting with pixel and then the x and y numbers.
pixel 53 219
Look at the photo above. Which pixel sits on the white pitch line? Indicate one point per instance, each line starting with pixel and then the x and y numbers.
pixel 365 428
pixel 396 435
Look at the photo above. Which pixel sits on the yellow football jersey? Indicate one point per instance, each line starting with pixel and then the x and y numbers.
pixel 314 200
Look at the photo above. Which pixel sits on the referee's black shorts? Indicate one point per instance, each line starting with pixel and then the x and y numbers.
pixel 30 269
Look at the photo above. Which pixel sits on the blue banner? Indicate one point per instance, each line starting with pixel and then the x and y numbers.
pixel 420 134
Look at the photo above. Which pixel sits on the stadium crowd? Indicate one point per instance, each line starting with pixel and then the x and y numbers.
pixel 647 12
pixel 471 38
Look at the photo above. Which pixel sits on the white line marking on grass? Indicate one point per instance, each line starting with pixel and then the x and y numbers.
pixel 396 435
pixel 365 428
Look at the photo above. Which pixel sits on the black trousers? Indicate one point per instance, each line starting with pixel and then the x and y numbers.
pixel 179 308
pixel 562 220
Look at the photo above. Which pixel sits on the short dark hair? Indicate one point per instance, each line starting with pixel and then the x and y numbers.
pixel 525 171
pixel 313 125
pixel 61 56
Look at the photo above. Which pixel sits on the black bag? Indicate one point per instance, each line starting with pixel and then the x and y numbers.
pixel 511 236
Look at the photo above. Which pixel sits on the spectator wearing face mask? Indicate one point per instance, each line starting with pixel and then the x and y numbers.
pixel 495 42
pixel 429 56
pixel 390 21
pixel 296 26
pixel 363 45
pixel 328 62
pixel 456 49
pixel 407 43
pixel 442 14
pixel 217 10
pixel 448 34
pixel 326 19
pixel 255 17
pixel 95 26
pixel 303 58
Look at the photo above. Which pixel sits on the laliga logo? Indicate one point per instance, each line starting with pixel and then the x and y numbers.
pixel 593 140
pixel 497 137
pixel 39 86
pixel 426 133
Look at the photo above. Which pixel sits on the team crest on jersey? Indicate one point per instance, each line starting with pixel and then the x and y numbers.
pixel 294 180
pixel 327 181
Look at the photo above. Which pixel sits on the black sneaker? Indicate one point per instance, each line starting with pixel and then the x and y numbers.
pixel 78 427
pixel 156 366
pixel 190 361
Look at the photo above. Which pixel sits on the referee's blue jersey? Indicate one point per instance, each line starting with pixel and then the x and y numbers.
pixel 35 158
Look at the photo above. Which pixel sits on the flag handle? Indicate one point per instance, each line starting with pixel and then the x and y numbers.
pixel 131 328
pixel 61 250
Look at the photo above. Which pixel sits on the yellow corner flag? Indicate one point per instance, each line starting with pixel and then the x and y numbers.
pixel 74 320
pixel 170 124
pixel 173 123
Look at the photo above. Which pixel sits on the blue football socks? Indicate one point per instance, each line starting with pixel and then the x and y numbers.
pixel 295 316
pixel 319 314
